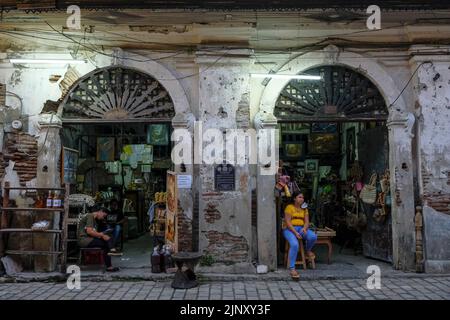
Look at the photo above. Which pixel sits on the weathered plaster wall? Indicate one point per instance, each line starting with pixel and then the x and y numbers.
pixel 225 217
pixel 433 93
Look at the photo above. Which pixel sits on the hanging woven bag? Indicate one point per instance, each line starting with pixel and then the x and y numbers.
pixel 369 191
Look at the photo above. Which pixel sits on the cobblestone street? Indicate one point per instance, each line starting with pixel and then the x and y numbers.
pixel 429 288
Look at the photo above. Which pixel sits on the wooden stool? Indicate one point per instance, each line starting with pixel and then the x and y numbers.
pixel 301 250
pixel 91 256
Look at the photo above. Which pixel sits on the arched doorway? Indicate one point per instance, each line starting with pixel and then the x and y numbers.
pixel 333 138
pixel 400 124
pixel 117 123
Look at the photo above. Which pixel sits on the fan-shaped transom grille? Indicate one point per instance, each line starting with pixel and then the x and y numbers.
pixel 116 93
pixel 341 94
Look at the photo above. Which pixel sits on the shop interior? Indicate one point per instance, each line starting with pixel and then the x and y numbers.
pixel 126 162
pixel 330 162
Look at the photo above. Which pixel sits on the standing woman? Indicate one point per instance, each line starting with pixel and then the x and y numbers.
pixel 296 226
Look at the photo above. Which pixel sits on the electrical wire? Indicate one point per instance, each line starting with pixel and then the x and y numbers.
pixel 409 81
pixel 105 54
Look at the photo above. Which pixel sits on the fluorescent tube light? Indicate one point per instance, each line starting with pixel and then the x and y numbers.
pixel 285 76
pixel 47 61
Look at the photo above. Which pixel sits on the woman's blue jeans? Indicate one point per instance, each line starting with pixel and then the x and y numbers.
pixel 290 237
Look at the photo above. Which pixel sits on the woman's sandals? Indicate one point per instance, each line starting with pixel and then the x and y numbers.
pixel 295 275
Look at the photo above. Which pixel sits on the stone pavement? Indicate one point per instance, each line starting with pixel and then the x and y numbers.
pixel 420 288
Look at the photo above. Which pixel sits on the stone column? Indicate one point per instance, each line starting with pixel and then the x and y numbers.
pixel 224 216
pixel 432 94
pixel 185 122
pixel 402 190
pixel 48 176
pixel 266 208
pixel 2 129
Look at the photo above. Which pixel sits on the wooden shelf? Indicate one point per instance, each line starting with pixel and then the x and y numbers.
pixel 35 253
pixel 60 241
pixel 30 230
pixel 33 209
pixel 31 188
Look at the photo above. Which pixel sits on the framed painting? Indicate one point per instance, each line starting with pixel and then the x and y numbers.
pixel 105 149
pixel 70 165
pixel 324 127
pixel 158 134
pixel 172 209
pixel 294 150
pixel 324 143
pixel 311 166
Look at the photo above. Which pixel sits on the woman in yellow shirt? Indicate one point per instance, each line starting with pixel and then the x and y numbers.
pixel 296 226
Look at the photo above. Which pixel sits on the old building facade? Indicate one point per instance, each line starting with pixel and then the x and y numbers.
pixel 203 59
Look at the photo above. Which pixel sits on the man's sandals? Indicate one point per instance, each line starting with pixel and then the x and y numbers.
pixel 112 269
pixel 114 252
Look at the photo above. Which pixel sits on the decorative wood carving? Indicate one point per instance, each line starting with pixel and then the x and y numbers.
pixel 117 93
pixel 341 94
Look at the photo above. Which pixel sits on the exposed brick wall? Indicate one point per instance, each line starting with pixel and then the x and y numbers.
pixel 2 95
pixel 184 232
pixel 211 213
pixel 225 247
pixel 22 149
pixel 2 167
pixel 438 200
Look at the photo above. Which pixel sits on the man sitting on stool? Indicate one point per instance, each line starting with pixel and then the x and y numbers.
pixel 89 237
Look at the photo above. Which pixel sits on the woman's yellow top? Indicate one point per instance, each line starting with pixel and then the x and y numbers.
pixel 297 216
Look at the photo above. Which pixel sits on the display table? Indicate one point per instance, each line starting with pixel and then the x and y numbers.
pixel 185 279
pixel 324 236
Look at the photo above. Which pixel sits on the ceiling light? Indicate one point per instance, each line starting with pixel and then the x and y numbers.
pixel 285 76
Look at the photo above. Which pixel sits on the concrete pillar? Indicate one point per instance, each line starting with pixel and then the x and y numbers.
pixel 48 176
pixel 402 190
pixel 224 216
pixel 185 196
pixel 2 133
pixel 433 153
pixel 266 208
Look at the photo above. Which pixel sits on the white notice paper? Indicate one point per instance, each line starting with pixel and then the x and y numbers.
pixel 184 181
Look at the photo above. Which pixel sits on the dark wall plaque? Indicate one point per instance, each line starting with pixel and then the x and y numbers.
pixel 224 177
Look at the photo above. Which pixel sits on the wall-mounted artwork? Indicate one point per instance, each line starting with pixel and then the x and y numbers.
pixel 158 134
pixel 70 158
pixel 105 149
pixel 134 154
pixel 324 127
pixel 303 128
pixel 294 150
pixel 324 143
pixel 311 166
pixel 172 209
